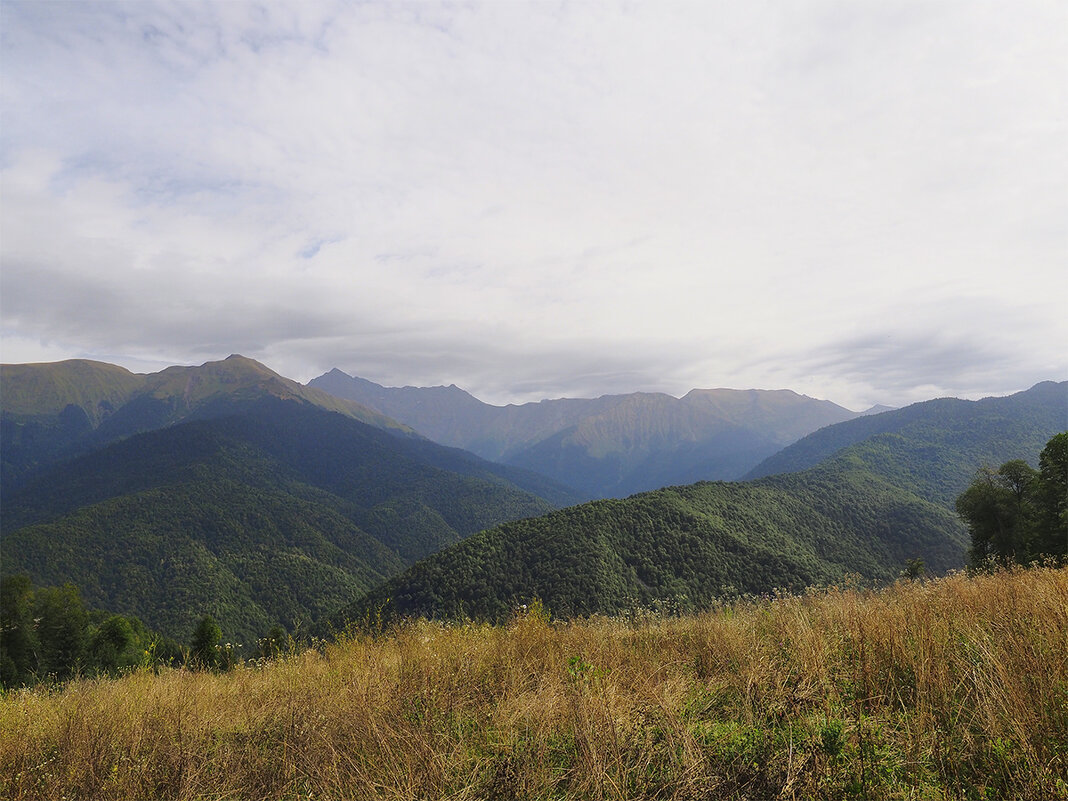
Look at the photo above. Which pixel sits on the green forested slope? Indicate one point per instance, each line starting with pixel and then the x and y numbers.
pixel 682 545
pixel 881 492
pixel 249 557
pixel 275 513
pixel 938 445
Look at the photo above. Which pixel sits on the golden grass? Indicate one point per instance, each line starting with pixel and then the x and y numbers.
pixel 954 688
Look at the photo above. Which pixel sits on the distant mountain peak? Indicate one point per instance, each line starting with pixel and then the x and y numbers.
pixel 878 408
pixel 56 408
pixel 611 445
pixel 47 388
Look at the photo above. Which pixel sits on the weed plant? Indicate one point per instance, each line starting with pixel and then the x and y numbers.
pixel 949 688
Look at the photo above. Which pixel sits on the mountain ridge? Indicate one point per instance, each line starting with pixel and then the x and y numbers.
pixel 1019 420
pixel 866 508
pixel 55 410
pixel 212 489
pixel 611 445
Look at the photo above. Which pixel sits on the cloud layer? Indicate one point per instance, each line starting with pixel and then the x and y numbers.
pixel 529 199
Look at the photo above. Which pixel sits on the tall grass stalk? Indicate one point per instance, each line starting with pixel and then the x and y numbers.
pixel 951 688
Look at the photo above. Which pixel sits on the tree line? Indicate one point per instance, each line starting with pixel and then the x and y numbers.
pixel 1017 513
pixel 48 634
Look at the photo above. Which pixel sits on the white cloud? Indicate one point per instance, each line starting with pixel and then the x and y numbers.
pixel 530 199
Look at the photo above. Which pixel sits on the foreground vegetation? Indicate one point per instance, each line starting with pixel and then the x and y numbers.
pixel 952 688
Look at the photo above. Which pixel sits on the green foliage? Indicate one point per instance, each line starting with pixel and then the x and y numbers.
pixel 994 514
pixel 112 646
pixel 204 647
pixel 680 546
pixel 47 634
pixel 1051 498
pixel 832 737
pixel 914 569
pixel 18 635
pixel 1017 513
pixel 62 630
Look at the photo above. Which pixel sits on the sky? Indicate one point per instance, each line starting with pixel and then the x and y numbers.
pixel 864 202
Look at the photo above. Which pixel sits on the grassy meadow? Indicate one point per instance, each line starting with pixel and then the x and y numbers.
pixel 948 688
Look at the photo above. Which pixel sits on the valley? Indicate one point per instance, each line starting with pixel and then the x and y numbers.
pixel 175 541
pixel 516 400
pixel 228 490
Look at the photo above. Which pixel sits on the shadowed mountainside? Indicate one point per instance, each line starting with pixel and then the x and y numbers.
pixel 55 410
pixel 245 498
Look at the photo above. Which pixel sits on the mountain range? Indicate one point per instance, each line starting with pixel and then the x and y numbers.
pixel 951 438
pixel 234 492
pixel 865 497
pixel 54 410
pixel 610 446
pixel 231 490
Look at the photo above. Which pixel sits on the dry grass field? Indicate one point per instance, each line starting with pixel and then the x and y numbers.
pixel 949 688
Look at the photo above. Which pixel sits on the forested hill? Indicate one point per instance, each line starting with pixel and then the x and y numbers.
pixel 867 509
pixel 275 513
pixel 683 546
pixel 954 436
pixel 56 410
pixel 608 446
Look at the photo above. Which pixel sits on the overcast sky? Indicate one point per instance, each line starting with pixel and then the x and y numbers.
pixel 866 202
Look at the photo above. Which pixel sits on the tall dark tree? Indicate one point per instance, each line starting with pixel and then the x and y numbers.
pixel 18 637
pixel 204 651
pixel 46 633
pixel 113 645
pixel 62 630
pixel 992 508
pixel 1051 498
